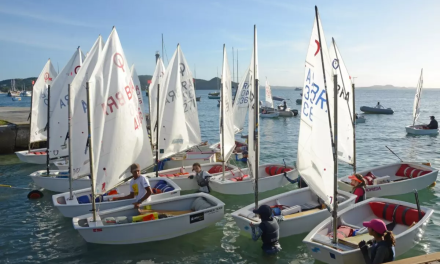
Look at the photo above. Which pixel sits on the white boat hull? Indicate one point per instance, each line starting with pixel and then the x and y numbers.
pixel 189 158
pixel 149 231
pixel 360 120
pixel 51 183
pixel 185 183
pixel 393 188
pixel 30 157
pixel 419 130
pixel 62 164
pixel 405 237
pixel 265 182
pixel 296 225
pixel 71 208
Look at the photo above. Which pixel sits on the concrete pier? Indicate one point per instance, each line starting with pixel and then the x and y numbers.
pixel 14 136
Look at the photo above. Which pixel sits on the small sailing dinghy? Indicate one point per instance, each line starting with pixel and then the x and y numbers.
pixel 299 208
pixel 360 119
pixel 335 249
pixel 272 175
pixel 127 224
pixel 394 179
pixel 80 202
pixel 38 116
pixel 58 181
pixel 419 129
pixel 407 231
pixel 304 208
pixel 267 110
pixel 154 221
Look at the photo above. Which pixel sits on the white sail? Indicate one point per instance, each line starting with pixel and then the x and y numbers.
pixel 119 134
pixel 137 85
pixel 156 79
pixel 417 98
pixel 79 154
pixel 345 106
pixel 269 101
pixel 315 158
pixel 189 101
pixel 226 111
pixel 254 116
pixel 39 103
pixel 58 123
pixel 241 101
pixel 177 109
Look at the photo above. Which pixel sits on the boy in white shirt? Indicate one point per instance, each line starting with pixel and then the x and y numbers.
pixel 139 187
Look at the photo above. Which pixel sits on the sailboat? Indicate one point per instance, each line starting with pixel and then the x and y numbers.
pixel 134 225
pixel 267 110
pixel 419 129
pixel 323 245
pixel 267 176
pixel 38 116
pixel 305 207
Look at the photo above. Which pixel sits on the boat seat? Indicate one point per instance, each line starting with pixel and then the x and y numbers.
pixel 381 180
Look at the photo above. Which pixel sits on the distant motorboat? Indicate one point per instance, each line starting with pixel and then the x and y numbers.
pixel 377 110
pixel 276 98
pixel 16 98
pixel 298 89
pixel 215 94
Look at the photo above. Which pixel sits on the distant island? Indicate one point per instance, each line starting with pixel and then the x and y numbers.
pixel 200 84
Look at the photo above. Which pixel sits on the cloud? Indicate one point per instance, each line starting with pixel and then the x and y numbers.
pixel 46 17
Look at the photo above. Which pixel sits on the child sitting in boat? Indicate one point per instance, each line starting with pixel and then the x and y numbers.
pixel 382 247
pixel 358 182
pixel 244 159
pixel 268 230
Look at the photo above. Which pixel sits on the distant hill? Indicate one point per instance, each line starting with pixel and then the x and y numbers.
pixel 387 86
pixel 5 85
pixel 200 84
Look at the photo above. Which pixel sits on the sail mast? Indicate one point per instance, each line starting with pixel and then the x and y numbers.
pixel 256 109
pixel 30 120
pixel 354 127
pixel 157 128
pixel 92 177
pixel 69 131
pixel 222 117
pixel 334 146
pixel 48 131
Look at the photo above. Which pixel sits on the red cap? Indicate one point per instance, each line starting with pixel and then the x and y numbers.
pixel 377 225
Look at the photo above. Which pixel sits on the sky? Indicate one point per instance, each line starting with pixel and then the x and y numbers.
pixel 381 42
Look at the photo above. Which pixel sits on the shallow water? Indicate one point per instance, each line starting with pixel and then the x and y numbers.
pixel 34 231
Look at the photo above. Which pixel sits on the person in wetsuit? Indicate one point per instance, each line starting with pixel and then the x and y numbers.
pixel 244 159
pixel 202 178
pixel 382 246
pixel 358 182
pixel 268 230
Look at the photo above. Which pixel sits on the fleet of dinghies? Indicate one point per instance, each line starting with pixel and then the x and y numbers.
pixel 91 115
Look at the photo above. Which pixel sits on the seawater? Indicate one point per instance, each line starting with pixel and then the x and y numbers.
pixel 35 232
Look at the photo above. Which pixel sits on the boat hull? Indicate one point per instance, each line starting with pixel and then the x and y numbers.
pixel 271 115
pixel 360 120
pixel 290 227
pixel 406 238
pixel 373 110
pixel 185 183
pixel 265 182
pixel 213 97
pixel 418 130
pixel 149 231
pixel 30 157
pixel 51 183
pixel 71 208
pixel 393 188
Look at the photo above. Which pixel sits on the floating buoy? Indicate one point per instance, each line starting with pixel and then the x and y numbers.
pixel 433 184
pixel 35 194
